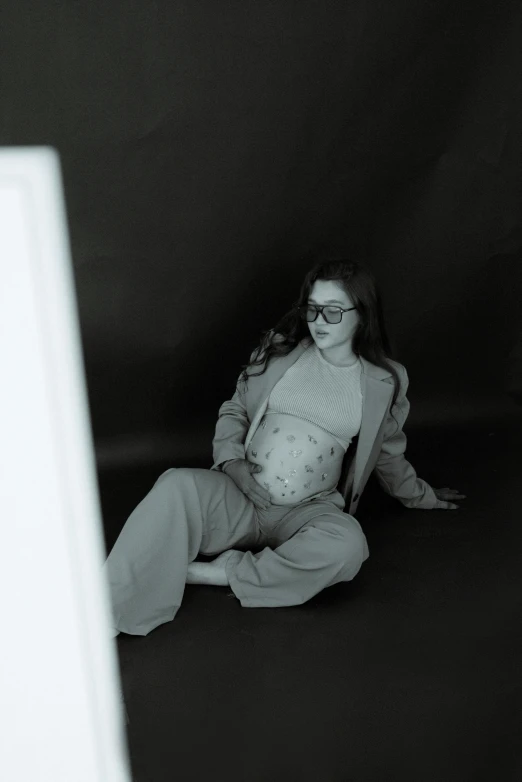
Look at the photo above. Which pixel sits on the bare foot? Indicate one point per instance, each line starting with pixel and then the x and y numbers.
pixel 212 573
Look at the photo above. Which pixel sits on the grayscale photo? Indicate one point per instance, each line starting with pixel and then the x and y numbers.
pixel 262 412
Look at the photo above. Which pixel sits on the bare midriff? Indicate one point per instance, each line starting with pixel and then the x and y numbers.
pixel 299 459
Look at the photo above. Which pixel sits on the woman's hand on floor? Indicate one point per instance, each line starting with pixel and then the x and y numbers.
pixel 445 497
pixel 240 470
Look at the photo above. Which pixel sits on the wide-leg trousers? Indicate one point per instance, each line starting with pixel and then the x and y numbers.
pixel 283 556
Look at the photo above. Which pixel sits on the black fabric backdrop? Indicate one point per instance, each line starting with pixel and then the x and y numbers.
pixel 210 150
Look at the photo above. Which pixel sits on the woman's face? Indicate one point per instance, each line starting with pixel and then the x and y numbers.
pixel 334 334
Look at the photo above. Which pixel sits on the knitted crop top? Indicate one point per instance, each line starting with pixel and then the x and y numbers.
pixel 322 393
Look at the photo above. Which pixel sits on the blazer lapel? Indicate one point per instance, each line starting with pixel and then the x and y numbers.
pixel 376 397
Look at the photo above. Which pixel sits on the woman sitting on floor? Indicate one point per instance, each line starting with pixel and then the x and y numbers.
pixel 272 505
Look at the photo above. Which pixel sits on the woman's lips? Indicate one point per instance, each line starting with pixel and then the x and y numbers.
pixel 321 333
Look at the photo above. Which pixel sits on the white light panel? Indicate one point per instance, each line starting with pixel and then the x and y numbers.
pixel 61 719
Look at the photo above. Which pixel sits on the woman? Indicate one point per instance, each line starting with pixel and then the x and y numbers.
pixel 272 505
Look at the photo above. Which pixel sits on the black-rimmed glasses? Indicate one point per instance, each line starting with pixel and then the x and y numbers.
pixel 330 314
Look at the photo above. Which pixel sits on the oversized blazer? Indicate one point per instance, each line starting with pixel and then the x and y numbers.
pixel 380 445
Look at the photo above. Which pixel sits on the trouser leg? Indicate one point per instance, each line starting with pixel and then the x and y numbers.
pixel 314 546
pixel 187 511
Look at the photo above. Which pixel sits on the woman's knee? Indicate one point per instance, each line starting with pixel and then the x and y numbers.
pixel 190 480
pixel 174 477
pixel 173 473
pixel 348 547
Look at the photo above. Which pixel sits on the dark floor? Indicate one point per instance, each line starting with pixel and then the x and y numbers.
pixel 410 673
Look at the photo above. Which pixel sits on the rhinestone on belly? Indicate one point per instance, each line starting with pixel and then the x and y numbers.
pixel 312 439
pixel 295 454
pixel 254 453
pixel 320 459
pixel 308 468
pixel 291 438
pixel 276 430
pixel 307 485
pixel 323 476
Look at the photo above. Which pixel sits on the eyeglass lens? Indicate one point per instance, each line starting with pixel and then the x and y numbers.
pixel 330 314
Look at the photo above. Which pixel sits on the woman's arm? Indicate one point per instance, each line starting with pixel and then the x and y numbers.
pixel 393 471
pixel 231 430
pixel 233 424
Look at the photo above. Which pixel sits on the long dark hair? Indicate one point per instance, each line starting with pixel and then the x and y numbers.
pixel 370 339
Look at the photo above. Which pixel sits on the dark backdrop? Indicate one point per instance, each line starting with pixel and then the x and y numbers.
pixel 211 149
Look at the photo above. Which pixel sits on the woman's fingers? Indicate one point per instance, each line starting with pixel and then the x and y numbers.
pixel 259 491
pixel 449 494
pixel 442 505
pixel 444 497
pixel 259 497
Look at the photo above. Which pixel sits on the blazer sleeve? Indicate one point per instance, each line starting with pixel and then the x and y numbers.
pixel 393 471
pixel 231 430
pixel 233 424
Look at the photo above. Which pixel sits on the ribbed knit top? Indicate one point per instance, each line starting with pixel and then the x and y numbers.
pixel 324 394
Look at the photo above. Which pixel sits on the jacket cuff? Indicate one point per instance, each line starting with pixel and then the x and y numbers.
pixel 223 466
pixel 230 457
pixel 424 497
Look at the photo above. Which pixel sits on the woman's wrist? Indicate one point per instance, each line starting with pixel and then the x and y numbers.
pixel 226 464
